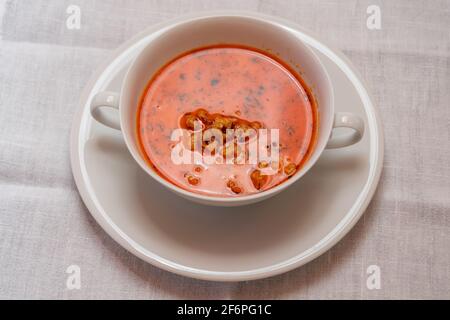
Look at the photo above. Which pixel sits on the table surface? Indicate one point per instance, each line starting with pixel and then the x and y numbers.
pixel 45 228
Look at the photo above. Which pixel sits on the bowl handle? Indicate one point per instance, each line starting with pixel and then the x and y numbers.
pixel 102 100
pixel 346 120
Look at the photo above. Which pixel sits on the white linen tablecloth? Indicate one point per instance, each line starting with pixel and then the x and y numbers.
pixel 44 226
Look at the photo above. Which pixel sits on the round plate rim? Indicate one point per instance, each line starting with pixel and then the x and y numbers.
pixel 339 231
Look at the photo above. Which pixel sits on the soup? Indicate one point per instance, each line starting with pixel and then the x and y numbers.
pixel 255 105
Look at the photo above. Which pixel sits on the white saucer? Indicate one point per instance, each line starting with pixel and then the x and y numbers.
pixel 226 244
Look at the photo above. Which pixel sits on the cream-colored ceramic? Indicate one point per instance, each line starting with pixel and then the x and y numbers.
pixel 218 243
pixel 225 29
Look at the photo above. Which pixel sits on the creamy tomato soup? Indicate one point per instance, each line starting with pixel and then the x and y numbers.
pixel 224 88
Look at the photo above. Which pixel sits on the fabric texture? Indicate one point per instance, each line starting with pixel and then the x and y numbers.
pixel 44 226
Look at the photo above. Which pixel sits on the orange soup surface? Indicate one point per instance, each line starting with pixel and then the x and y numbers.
pixel 227 87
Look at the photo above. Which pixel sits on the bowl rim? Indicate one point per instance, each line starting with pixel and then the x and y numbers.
pixel 231 200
